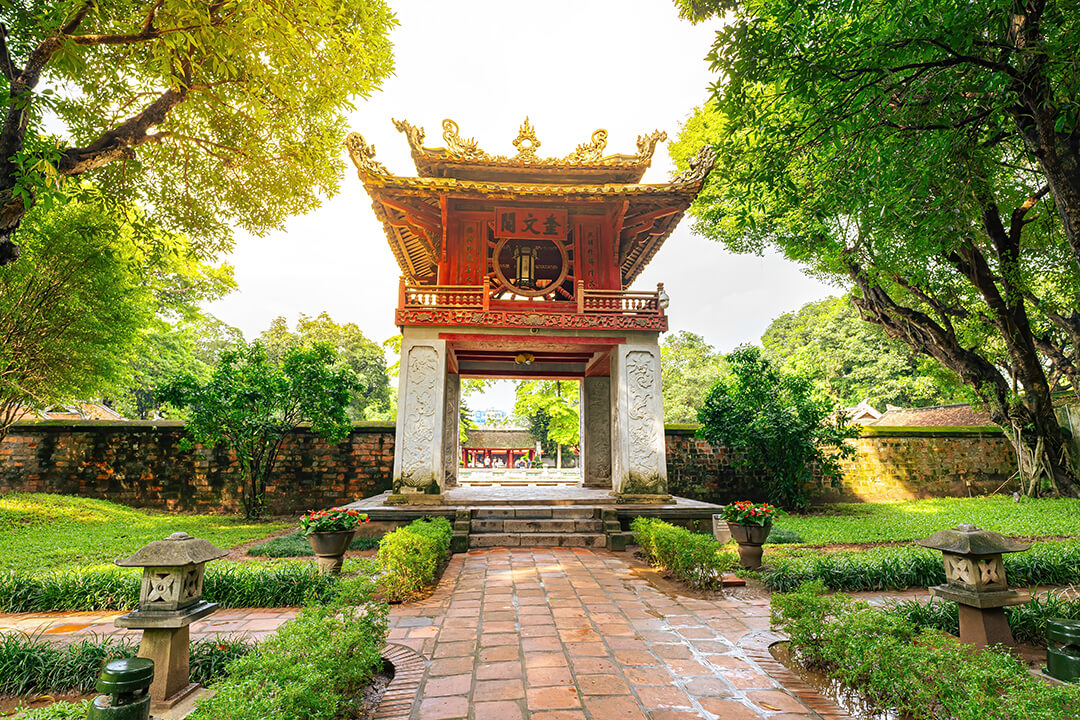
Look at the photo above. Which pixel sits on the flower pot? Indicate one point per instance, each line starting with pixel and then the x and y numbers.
pixel 720 529
pixel 750 539
pixel 329 548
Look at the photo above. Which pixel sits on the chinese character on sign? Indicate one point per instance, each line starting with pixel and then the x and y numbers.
pixel 530 223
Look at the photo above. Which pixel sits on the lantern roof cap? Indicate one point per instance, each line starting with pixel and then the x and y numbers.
pixel 177 550
pixel 970 540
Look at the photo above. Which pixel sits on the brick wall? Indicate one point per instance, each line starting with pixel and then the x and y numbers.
pixel 140 464
pixel 889 464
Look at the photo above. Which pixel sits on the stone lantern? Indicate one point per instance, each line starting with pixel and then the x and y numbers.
pixel 975 580
pixel 169 601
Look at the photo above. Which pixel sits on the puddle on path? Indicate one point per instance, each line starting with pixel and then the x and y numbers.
pixel 675 589
pixel 830 688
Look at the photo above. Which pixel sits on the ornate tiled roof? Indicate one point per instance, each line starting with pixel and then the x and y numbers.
pixel 411 208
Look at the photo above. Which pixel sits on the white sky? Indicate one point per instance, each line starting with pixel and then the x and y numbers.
pixel 630 66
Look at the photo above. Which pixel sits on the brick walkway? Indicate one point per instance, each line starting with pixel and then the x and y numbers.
pixel 70 627
pixel 569 634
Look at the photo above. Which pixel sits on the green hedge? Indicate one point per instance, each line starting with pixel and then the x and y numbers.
pixel 233 585
pixel 694 558
pixel 312 667
pixel 899 567
pixel 1027 621
pixel 921 674
pixel 30 665
pixel 410 556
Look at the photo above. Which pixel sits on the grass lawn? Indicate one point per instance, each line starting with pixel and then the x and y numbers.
pixel 914 519
pixel 40 531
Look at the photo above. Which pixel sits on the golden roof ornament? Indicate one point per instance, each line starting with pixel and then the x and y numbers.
pixel 461 148
pixel 415 135
pixel 700 167
pixel 526 143
pixel 591 151
pixel 646 144
pixel 363 155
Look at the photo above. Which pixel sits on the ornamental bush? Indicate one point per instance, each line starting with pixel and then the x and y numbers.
pixel 333 520
pixel 745 512
pixel 694 558
pixel 313 667
pixel 921 674
pixel 410 556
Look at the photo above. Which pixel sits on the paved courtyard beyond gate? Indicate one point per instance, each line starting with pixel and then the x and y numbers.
pixel 571 633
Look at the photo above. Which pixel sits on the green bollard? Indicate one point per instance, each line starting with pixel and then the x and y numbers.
pixel 1063 653
pixel 126 684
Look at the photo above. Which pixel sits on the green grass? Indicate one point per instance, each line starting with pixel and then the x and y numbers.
pixel 39 531
pixel 297 545
pixel 914 519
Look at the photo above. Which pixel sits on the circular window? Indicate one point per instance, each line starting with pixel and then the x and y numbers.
pixel 532 267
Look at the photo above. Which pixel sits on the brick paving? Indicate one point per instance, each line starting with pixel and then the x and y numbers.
pixel 574 634
pixel 253 624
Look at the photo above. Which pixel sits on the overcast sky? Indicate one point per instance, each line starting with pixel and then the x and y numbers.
pixel 630 66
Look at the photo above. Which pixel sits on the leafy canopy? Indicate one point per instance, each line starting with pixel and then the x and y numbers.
pixel 853 360
pixel 549 409
pixel 209 114
pixel 689 367
pixel 251 404
pixel 783 426
pixel 371 401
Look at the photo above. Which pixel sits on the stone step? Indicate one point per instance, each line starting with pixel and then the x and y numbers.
pixel 536 512
pixel 590 540
pixel 536 525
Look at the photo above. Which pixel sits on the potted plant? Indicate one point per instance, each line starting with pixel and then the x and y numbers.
pixel 749 524
pixel 330 532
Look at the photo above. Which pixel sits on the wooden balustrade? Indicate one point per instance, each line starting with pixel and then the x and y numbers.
pixel 477 297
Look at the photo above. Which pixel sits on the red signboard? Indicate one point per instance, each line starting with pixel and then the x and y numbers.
pixel 530 223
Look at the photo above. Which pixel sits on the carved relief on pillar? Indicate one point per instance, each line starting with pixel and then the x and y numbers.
pixel 597 431
pixel 644 424
pixel 451 424
pixel 418 426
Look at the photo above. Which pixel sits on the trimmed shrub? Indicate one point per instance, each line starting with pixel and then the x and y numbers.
pixel 284 584
pixel 922 674
pixel 1027 621
pixel 694 558
pixel 410 556
pixel 30 665
pixel 313 667
pixel 899 567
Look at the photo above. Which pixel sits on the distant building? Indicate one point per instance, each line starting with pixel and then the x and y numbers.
pixel 502 448
pixel 491 416
pixel 74 411
pixel 862 414
pixel 936 416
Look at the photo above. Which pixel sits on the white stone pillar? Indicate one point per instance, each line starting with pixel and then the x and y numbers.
pixel 418 450
pixel 596 431
pixel 451 430
pixel 638 457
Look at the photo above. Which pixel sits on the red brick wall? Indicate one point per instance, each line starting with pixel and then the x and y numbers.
pixel 889 464
pixel 140 464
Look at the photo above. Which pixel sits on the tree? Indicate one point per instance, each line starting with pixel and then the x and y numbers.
pixel 877 181
pixel 783 425
pixel 372 398
pixel 854 360
pixel 252 404
pixel 207 112
pixel 163 351
pixel 549 408
pixel 69 316
pixel 689 368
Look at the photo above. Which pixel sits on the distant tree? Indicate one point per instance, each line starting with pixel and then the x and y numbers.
pixel 550 411
pixel 70 314
pixel 371 401
pixel 212 113
pixel 689 367
pixel 251 404
pixel 781 423
pixel 163 351
pixel 855 360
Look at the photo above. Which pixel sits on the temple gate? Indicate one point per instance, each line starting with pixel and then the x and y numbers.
pixel 519 267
